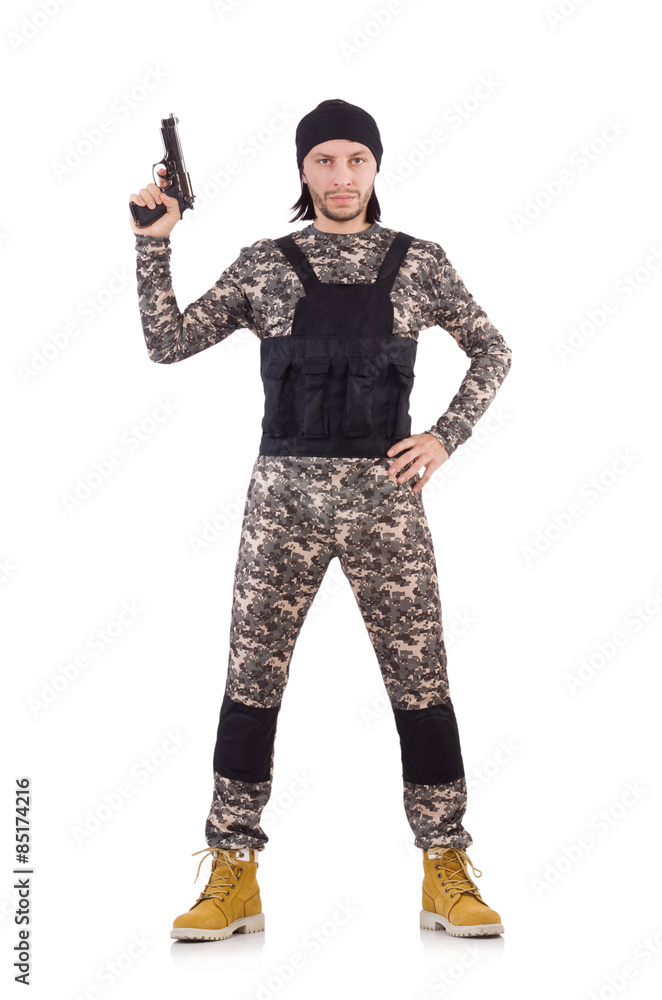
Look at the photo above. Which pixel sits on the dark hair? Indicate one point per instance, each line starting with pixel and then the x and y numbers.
pixel 305 209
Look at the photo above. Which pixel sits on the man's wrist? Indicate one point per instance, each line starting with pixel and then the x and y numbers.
pixel 152 244
pixel 441 439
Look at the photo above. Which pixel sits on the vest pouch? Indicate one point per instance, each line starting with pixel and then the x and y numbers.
pixel 315 404
pixel 273 381
pixel 403 372
pixel 357 417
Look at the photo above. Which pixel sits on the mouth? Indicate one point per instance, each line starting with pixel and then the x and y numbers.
pixel 342 197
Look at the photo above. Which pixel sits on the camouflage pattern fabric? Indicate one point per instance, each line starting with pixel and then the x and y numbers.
pixel 303 511
pixel 259 292
pixel 300 513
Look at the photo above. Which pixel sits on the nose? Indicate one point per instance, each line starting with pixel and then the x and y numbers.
pixel 342 177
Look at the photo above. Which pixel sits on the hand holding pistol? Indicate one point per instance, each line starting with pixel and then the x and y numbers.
pixel 159 206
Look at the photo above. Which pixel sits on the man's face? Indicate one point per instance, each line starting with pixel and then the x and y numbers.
pixel 337 168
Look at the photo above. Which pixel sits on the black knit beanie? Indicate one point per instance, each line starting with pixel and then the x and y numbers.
pixel 337 119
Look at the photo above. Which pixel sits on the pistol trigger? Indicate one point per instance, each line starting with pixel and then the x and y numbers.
pixel 156 178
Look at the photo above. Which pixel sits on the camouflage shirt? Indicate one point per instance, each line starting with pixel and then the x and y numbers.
pixel 259 292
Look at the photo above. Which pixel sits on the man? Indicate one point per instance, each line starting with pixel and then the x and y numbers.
pixel 337 307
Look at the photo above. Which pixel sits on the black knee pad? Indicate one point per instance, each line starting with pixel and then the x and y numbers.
pixel 430 744
pixel 244 741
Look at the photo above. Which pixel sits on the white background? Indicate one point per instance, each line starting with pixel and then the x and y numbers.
pixel 539 571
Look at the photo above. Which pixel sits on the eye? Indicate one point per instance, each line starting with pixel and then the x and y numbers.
pixel 325 159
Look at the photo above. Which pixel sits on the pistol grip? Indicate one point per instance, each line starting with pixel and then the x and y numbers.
pixel 144 216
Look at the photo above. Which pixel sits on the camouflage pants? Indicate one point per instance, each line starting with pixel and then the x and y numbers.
pixel 300 512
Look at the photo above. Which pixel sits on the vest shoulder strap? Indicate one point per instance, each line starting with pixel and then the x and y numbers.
pixel 387 271
pixel 298 260
pixel 393 258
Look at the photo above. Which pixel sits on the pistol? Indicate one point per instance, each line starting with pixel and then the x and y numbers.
pixel 180 182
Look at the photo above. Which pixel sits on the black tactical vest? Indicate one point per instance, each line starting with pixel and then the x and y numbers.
pixel 339 384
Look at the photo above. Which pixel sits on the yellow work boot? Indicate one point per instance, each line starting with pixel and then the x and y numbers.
pixel 229 902
pixel 451 899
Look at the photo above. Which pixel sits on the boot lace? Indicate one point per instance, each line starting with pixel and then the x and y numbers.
pixel 461 881
pixel 219 884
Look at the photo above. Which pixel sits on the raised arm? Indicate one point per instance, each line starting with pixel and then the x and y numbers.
pixel 459 314
pixel 172 335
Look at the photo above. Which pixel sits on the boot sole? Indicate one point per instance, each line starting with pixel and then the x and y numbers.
pixel 433 921
pixel 244 925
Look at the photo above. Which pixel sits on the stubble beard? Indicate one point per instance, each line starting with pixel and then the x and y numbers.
pixel 343 213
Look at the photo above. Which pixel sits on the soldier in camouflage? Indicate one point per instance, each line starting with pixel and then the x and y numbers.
pixel 304 509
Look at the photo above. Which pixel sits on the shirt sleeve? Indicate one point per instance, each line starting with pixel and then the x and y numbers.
pixel 459 314
pixel 172 335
